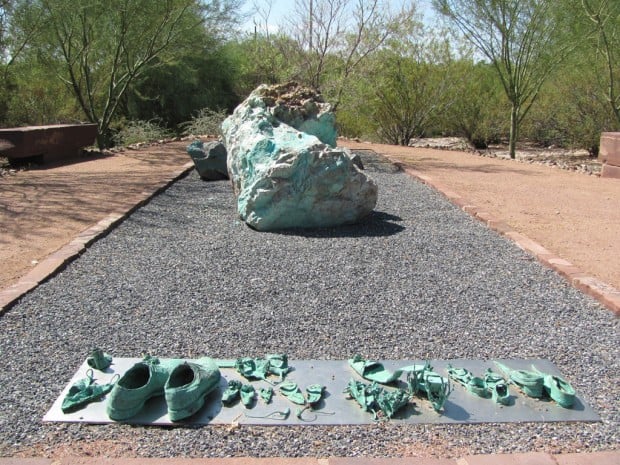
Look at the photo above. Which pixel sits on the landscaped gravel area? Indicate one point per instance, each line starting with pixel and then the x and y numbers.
pixel 419 279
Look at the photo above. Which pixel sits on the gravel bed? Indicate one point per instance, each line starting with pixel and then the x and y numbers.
pixel 183 277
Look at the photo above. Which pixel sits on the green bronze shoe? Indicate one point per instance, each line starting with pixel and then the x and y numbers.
pixel 477 387
pixel 437 389
pixel 532 384
pixel 460 375
pixel 314 394
pixel 84 391
pixel 188 385
pixel 364 394
pixel 373 371
pixel 252 368
pixel 99 360
pixel 247 393
pixel 291 391
pixel 415 377
pixel 473 384
pixel 497 386
pixel 232 392
pixel 558 389
pixel 392 401
pixel 266 394
pixel 278 365
pixel 146 379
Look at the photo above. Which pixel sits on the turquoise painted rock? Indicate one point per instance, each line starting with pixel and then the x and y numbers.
pixel 284 165
pixel 209 159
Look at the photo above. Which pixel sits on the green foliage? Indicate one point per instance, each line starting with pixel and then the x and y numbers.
pixel 34 96
pixel 571 111
pixel 205 122
pixel 172 91
pixel 133 132
pixel 331 40
pixel 520 38
pixel 409 98
pixel 478 106
pixel 136 66
pixel 107 46
pixel 256 59
pixel 603 18
pixel 406 88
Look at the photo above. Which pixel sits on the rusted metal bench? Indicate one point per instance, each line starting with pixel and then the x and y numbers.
pixel 609 154
pixel 46 143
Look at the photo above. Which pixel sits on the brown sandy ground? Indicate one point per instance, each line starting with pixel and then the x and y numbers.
pixel 574 215
pixel 43 209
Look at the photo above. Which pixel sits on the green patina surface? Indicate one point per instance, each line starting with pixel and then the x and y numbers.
pixel 292 175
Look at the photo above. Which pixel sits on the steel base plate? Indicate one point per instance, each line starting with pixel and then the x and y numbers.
pixel 336 409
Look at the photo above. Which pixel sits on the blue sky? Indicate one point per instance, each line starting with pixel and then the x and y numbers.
pixel 282 8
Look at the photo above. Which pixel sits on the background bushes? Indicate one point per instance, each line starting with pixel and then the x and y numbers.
pixel 418 81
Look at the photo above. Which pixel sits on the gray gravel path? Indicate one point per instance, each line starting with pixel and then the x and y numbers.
pixel 183 277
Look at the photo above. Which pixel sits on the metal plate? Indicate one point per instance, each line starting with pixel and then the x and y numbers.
pixel 336 409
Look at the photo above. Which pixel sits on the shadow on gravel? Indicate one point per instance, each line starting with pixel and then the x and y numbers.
pixel 377 224
pixel 375 162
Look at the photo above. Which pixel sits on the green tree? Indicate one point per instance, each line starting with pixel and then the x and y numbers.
pixel 409 96
pixel 106 45
pixel 412 82
pixel 331 39
pixel 520 38
pixel 604 18
pixel 174 90
pixel 13 42
pixel 478 103
pixel 37 96
pixel 258 58
pixel 572 109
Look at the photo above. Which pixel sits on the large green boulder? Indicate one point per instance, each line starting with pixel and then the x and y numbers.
pixel 284 166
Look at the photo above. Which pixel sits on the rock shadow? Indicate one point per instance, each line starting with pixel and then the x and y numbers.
pixel 376 224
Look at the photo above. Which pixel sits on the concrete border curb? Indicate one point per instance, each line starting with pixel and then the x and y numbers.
pixel 604 293
pixel 524 458
pixel 57 261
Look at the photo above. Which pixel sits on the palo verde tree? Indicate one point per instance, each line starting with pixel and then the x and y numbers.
pixel 604 18
pixel 520 38
pixel 103 46
pixel 332 38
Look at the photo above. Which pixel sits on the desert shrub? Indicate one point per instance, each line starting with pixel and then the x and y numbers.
pixel 571 112
pixel 478 106
pixel 133 132
pixel 205 122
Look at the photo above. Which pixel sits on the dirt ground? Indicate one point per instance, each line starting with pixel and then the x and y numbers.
pixel 574 215
pixel 42 209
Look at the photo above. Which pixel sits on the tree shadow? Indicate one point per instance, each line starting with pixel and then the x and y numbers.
pixel 168 155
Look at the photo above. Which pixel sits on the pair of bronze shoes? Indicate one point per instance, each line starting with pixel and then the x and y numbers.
pixel 537 384
pixel 183 383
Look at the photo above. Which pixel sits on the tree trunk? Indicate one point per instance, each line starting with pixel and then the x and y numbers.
pixel 101 141
pixel 104 137
pixel 514 130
